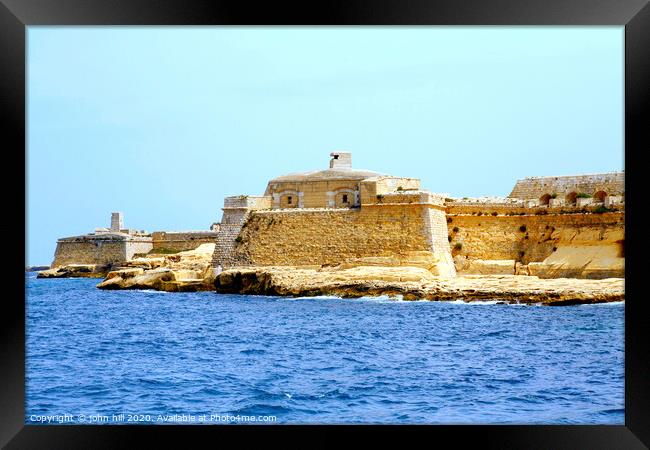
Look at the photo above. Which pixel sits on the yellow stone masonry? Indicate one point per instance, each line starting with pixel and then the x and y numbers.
pixel 388 234
pixel 552 245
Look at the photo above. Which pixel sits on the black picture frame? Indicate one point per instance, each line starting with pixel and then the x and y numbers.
pixel 16 15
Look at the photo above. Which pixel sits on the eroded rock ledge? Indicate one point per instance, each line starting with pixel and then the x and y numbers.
pixel 415 283
pixel 76 271
pixel 186 271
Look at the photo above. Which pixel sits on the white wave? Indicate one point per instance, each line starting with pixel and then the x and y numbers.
pixel 398 298
pixel 149 291
pixel 622 302
pixel 383 298
pixel 368 298
pixel 317 297
pixel 473 302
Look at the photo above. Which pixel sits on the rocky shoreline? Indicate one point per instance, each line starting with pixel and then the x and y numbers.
pixel 76 271
pixel 191 271
pixel 412 283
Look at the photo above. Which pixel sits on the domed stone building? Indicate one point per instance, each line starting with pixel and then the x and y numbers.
pixel 336 187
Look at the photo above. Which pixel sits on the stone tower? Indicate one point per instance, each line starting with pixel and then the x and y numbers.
pixel 341 160
pixel 117 221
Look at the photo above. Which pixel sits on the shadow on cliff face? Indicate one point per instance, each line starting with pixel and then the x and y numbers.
pixel 245 282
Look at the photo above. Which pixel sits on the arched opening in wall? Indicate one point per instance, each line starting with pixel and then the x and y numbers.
pixel 599 196
pixel 289 201
pixel 570 199
pixel 544 199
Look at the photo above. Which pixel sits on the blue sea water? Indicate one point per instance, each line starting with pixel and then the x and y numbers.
pixel 156 357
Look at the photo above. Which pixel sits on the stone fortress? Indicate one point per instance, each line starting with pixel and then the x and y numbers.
pixel 548 226
pixel 109 246
pixel 335 216
pixel 342 218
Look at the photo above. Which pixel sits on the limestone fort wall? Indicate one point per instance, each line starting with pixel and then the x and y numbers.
pixel 530 239
pixel 137 246
pixel 98 250
pixel 89 252
pixel 383 234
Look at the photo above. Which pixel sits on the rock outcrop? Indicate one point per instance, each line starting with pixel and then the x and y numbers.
pixel 587 261
pixel 416 283
pixel 36 268
pixel 485 267
pixel 179 272
pixel 76 271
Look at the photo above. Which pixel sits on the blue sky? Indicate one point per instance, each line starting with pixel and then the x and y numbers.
pixel 162 122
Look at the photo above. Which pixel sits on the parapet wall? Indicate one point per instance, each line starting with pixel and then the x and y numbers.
pixel 520 209
pixel 247 201
pixel 612 184
pixel 181 240
pixel 373 189
pixel 394 234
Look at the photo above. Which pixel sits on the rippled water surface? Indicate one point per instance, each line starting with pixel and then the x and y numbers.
pixel 318 360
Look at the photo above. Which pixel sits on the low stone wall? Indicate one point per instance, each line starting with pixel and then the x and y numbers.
pixel 181 240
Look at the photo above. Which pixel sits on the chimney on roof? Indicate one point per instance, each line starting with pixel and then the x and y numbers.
pixel 341 160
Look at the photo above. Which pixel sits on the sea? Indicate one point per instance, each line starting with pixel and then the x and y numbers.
pixel 145 357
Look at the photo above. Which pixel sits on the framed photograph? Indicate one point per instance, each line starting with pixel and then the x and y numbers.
pixel 363 217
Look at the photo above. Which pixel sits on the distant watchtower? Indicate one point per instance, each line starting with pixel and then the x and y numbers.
pixel 341 160
pixel 117 221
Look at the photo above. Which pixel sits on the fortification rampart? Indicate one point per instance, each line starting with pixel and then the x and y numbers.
pixel 103 250
pixel 573 245
pixel 236 211
pixel 389 234
pixel 611 184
